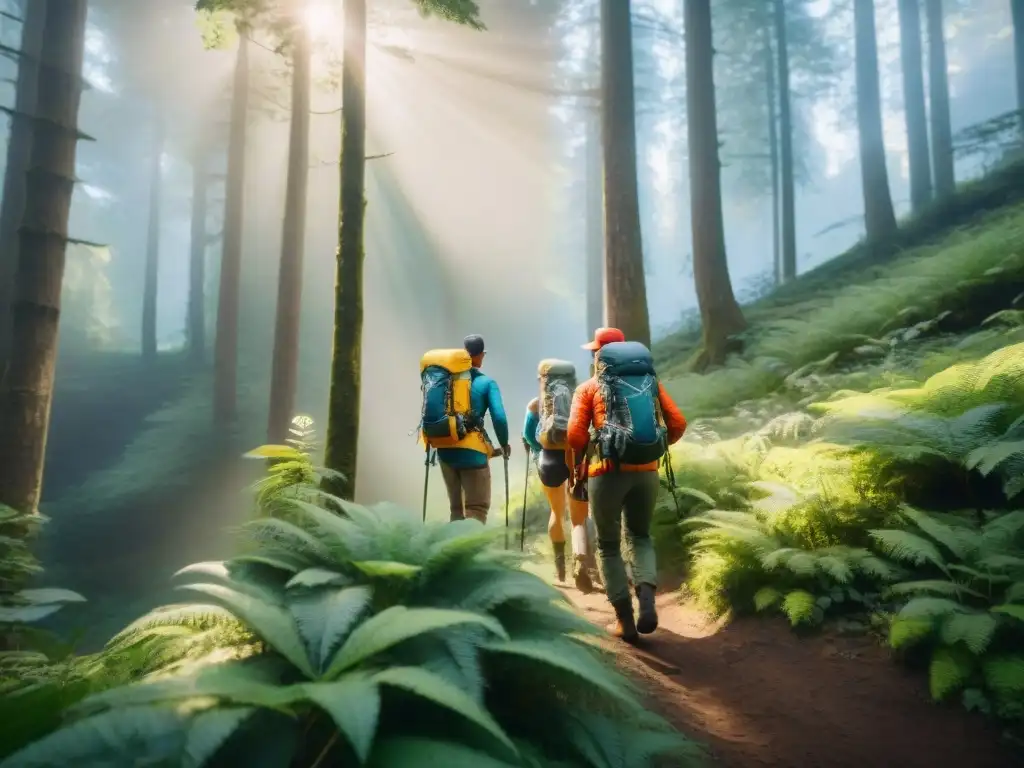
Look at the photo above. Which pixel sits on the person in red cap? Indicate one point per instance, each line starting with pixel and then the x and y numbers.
pixel 621 422
pixel 604 336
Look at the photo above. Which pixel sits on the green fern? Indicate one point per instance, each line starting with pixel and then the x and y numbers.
pixel 323 620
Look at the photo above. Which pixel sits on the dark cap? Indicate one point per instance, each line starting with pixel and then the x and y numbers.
pixel 474 344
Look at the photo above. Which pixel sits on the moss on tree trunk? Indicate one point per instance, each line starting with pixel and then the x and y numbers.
pixel 27 389
pixel 721 316
pixel 343 408
pixel 284 370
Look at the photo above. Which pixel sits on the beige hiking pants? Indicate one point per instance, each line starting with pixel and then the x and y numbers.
pixel 469 491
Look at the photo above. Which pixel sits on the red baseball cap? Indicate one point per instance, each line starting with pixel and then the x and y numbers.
pixel 604 336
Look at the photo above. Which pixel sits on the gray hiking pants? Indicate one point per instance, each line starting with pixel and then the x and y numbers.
pixel 632 495
pixel 469 491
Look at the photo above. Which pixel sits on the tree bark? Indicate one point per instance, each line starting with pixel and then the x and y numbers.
pixel 914 110
pixel 19 147
pixel 1017 14
pixel 625 284
pixel 27 388
pixel 773 151
pixel 284 370
pixel 938 93
pixel 721 316
pixel 786 148
pixel 879 217
pixel 343 409
pixel 225 355
pixel 594 242
pixel 197 253
pixel 149 294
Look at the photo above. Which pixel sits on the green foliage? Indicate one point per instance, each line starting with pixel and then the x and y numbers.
pixel 465 12
pixel 965 606
pixel 359 636
pixel 17 564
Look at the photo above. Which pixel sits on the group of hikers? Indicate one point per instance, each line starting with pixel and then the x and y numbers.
pixel 597 448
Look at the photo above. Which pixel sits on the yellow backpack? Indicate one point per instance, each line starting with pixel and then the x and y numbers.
pixel 446 418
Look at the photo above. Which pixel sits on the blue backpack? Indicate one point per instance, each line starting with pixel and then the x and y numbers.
pixel 634 431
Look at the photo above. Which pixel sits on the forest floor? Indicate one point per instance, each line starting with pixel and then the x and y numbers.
pixel 756 694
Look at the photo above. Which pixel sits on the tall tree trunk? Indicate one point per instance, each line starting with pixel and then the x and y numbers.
pixel 199 237
pixel 938 92
pixel 625 285
pixel 786 148
pixel 27 387
pixel 19 147
pixel 149 294
pixel 225 355
pixel 343 414
pixel 913 103
pixel 284 372
pixel 1017 14
pixel 773 151
pixel 879 217
pixel 594 242
pixel 720 314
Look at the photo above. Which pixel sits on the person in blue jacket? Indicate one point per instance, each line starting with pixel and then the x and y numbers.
pixel 466 472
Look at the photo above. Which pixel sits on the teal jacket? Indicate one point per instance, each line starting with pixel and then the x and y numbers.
pixel 484 398
pixel 530 430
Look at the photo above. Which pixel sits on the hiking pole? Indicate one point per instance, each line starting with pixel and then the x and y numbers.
pixel 505 457
pixel 526 485
pixel 426 482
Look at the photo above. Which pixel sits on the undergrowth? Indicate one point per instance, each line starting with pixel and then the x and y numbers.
pixel 342 635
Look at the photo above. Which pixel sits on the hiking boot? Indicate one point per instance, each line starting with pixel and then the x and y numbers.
pixel 595 573
pixel 581 575
pixel 559 547
pixel 623 628
pixel 647 614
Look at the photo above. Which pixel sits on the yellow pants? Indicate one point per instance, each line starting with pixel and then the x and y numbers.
pixel 557 498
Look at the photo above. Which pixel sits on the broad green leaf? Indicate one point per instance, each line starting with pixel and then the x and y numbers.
pixel 568 656
pixel 48 595
pixel 273 452
pixel 273 623
pixel 316 577
pixel 208 731
pixel 438 690
pixel 324 618
pixel 1015 611
pixel 905 632
pixel 397 624
pixel 353 703
pixel 934 586
pixel 387 568
pixel 239 682
pixel 131 736
pixel 26 614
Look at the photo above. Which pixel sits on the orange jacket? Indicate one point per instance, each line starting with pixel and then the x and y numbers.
pixel 588 407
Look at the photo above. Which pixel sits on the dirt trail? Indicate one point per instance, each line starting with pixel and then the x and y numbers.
pixel 757 695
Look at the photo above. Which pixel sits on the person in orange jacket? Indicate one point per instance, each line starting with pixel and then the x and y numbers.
pixel 634 420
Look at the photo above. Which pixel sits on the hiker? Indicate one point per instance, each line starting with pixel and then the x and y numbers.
pixel 544 435
pixel 634 421
pixel 456 397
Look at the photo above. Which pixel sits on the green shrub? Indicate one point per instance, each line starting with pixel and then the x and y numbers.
pixel 966 603
pixel 352 636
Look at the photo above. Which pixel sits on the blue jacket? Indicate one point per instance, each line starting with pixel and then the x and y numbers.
pixel 530 430
pixel 484 397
